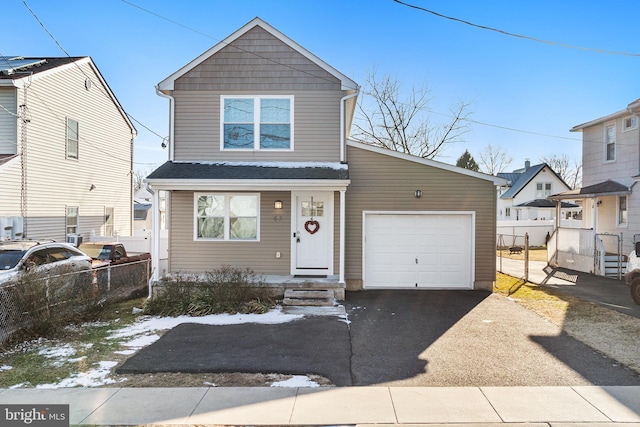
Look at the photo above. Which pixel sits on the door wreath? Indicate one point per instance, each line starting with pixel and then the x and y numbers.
pixel 312 226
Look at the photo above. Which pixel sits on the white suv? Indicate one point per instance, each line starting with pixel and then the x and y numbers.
pixel 50 258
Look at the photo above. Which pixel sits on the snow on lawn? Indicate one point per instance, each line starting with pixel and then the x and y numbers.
pixel 141 334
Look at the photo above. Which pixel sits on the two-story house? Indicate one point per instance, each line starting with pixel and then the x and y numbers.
pixel 525 195
pixel 262 175
pixel 66 151
pixel 611 203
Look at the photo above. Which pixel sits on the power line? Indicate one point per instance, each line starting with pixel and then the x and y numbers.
pixel 507 33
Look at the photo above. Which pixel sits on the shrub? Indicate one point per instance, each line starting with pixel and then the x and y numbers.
pixel 224 290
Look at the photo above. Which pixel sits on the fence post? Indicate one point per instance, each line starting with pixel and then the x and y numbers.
pixel 526 257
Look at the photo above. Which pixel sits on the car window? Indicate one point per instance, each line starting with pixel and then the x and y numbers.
pixel 9 259
pixel 119 253
pixel 96 251
pixel 38 257
pixel 59 254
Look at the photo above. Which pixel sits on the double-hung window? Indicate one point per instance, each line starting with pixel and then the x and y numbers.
pixel 257 123
pixel 72 139
pixel 72 220
pixel 610 143
pixel 543 190
pixel 224 216
pixel 630 123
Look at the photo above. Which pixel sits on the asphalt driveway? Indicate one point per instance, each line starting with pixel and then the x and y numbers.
pixel 401 338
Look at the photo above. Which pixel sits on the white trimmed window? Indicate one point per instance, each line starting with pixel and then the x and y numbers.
pixel 622 210
pixel 256 123
pixel 72 220
pixel 507 212
pixel 72 139
pixel 108 222
pixel 630 123
pixel 610 143
pixel 543 190
pixel 226 216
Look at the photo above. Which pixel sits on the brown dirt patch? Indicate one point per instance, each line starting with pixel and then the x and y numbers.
pixel 235 379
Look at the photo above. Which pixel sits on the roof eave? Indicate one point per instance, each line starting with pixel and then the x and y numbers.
pixel 247 184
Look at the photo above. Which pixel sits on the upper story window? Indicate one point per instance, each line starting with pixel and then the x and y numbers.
pixel 72 139
pixel 257 123
pixel 630 123
pixel 543 190
pixel 224 216
pixel 610 143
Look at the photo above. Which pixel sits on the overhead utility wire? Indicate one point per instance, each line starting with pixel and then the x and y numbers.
pixel 507 33
pixel 85 74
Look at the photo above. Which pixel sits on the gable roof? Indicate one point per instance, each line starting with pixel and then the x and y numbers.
pixel 427 162
pixel 524 178
pixel 168 83
pixel 46 65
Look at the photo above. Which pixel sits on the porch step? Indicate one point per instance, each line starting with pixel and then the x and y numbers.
pixel 309 297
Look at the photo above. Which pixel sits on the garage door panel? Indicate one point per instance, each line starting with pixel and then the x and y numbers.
pixel 441 244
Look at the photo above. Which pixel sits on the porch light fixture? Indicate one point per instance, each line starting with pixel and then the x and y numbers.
pixel 418 194
pixel 277 204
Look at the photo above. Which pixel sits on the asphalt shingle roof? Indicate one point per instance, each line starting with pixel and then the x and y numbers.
pixel 229 171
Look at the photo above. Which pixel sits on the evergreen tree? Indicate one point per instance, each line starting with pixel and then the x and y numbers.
pixel 468 162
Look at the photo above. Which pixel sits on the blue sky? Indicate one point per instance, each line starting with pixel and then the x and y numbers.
pixel 536 88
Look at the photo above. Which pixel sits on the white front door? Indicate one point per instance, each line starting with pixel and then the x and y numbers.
pixel 312 232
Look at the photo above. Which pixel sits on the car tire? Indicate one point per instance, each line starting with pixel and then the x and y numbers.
pixel 635 290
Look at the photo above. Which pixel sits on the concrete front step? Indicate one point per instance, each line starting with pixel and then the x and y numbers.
pixel 309 297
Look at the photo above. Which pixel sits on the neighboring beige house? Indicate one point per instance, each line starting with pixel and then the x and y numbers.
pixel 262 174
pixel 66 148
pixel 611 203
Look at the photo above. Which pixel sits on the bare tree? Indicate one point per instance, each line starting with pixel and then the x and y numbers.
pixel 138 179
pixel 570 172
pixel 384 120
pixel 494 160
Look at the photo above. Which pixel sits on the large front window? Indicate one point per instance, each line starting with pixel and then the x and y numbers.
pixel 221 216
pixel 257 123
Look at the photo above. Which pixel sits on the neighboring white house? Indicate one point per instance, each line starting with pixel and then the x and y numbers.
pixel 611 219
pixel 66 151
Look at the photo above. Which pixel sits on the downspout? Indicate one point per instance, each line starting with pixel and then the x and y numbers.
pixel 172 103
pixel 343 153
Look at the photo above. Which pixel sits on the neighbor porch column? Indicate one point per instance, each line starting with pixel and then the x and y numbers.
pixel 342 235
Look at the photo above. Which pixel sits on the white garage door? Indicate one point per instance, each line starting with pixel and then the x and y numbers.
pixel 430 250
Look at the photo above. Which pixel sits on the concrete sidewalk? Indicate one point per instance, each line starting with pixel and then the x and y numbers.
pixel 583 405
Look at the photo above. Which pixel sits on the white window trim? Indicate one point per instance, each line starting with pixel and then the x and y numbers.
pixel 630 128
pixel 618 223
pixel 66 140
pixel 542 193
pixel 227 222
pixel 615 143
pixel 66 220
pixel 256 122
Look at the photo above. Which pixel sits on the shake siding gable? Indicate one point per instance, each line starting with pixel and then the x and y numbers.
pixel 385 183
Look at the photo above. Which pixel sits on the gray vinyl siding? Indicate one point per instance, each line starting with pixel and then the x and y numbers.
pixel 257 63
pixel 316 130
pixel 189 256
pixel 55 182
pixel 8 121
pixel 385 183
pixel 626 164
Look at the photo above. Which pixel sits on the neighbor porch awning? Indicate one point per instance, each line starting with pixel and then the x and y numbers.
pixel 602 189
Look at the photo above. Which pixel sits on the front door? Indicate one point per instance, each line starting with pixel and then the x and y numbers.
pixel 312 232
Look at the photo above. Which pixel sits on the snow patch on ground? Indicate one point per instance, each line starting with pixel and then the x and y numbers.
pixel 92 378
pixel 296 381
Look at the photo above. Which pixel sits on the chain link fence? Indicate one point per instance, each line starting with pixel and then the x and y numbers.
pixel 43 302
